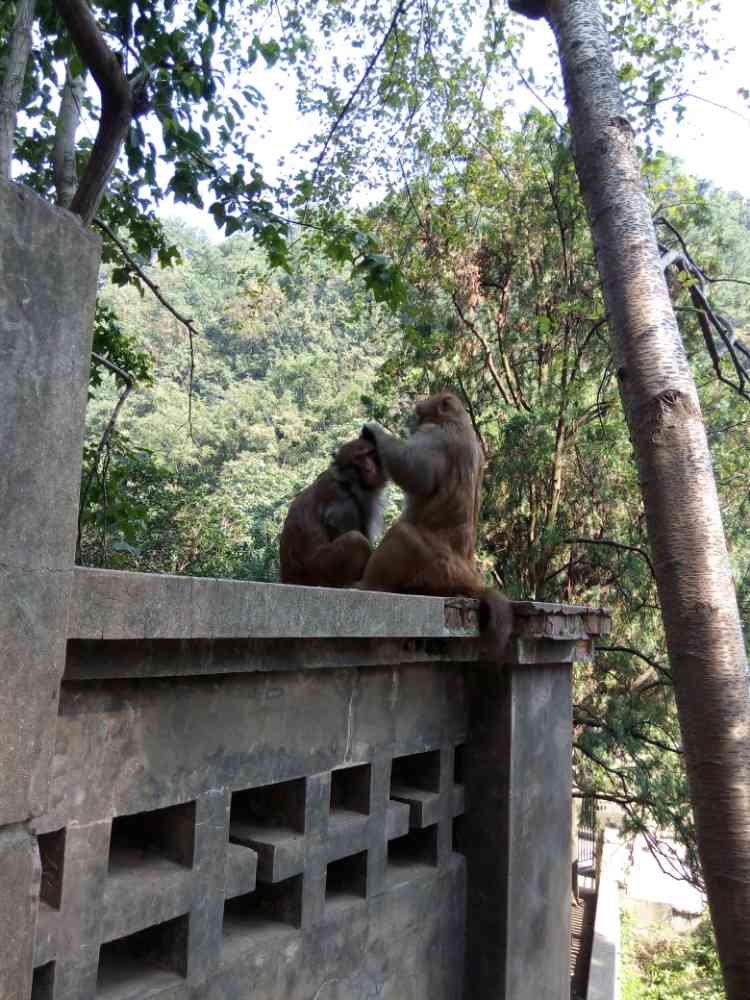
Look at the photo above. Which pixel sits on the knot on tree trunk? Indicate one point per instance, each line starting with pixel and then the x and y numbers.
pixel 669 408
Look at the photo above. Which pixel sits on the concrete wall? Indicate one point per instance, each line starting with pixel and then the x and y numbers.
pixel 226 790
pixel 604 970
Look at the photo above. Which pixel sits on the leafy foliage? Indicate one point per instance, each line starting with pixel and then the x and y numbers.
pixel 278 378
pixel 670 966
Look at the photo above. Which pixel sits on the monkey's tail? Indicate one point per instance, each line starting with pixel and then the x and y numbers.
pixel 495 624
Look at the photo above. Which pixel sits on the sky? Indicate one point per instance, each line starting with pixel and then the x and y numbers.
pixel 713 140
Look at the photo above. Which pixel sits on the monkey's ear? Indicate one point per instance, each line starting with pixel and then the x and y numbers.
pixel 367 434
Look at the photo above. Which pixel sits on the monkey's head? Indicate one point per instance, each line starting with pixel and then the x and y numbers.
pixel 360 458
pixel 442 408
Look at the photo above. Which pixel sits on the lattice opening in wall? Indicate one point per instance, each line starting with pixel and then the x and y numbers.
pixel 147 838
pixel 52 853
pixel 346 879
pixel 43 983
pixel 417 771
pixel 268 910
pixel 350 789
pixel 151 959
pixel 271 807
pixel 417 848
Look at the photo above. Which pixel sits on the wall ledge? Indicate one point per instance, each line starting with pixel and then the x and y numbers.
pixel 117 605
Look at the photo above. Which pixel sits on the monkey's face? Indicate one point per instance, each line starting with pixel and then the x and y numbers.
pixel 361 458
pixel 441 408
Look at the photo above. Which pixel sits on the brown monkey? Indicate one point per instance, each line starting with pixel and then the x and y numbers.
pixel 327 535
pixel 430 549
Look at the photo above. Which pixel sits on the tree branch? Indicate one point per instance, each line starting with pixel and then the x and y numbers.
pixel 12 83
pixel 353 96
pixel 708 320
pixel 488 359
pixel 120 103
pixel 614 545
pixel 125 376
pixel 635 652
pixel 187 323
pixel 103 442
pixel 66 173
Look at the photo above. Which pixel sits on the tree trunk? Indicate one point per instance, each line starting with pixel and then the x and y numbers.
pixel 66 173
pixel 696 590
pixel 12 82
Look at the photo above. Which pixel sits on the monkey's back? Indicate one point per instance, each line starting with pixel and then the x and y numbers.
pixel 449 515
pixel 304 530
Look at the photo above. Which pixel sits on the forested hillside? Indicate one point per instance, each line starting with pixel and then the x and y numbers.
pixel 504 306
pixel 199 482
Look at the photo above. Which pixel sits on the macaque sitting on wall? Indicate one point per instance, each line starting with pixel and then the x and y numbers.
pixel 327 536
pixel 430 549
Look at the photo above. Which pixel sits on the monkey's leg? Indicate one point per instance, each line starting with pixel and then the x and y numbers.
pixel 398 563
pixel 341 562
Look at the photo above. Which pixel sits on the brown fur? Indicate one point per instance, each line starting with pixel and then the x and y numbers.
pixel 327 536
pixel 430 549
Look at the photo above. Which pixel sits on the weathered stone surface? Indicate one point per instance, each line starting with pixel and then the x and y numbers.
pixel 193 747
pixel 167 741
pixel 517 823
pixel 48 265
pixel 20 872
pixel 405 943
pixel 107 604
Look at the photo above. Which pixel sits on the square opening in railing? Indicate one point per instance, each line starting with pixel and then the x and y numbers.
pixel 350 789
pixel 159 835
pixel 273 807
pixel 346 879
pixel 43 983
pixel 143 962
pixel 418 770
pixel 266 910
pixel 52 853
pixel 416 849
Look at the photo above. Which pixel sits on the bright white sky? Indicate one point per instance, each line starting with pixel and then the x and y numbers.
pixel 712 141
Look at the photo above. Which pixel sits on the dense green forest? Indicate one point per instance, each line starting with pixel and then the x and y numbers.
pixel 503 304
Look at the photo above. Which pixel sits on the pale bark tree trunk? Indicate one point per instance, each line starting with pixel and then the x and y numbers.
pixel 696 590
pixel 66 173
pixel 12 82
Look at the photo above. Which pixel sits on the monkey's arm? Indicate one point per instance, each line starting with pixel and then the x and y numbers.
pixel 417 465
pixel 340 516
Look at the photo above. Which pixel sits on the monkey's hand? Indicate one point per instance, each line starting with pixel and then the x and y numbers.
pixel 416 465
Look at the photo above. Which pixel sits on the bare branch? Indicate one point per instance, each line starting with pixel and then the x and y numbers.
pixel 187 323
pixel 125 376
pixel 693 97
pixel 402 6
pixel 614 545
pixel 635 652
pixel 12 83
pixel 488 359
pixel 66 173
pixel 709 320
pixel 103 443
